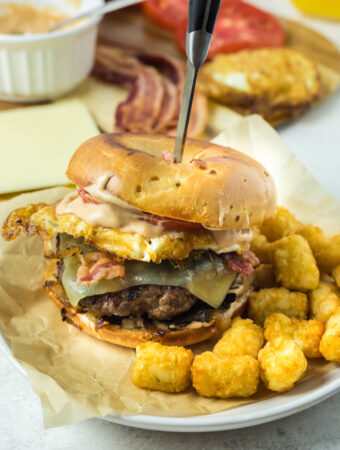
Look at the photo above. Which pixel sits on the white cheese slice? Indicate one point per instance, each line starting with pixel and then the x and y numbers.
pixel 38 142
pixel 207 278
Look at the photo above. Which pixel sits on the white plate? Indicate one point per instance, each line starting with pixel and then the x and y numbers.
pixel 303 396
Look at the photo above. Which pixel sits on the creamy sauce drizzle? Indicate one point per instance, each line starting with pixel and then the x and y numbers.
pixel 113 212
pixel 108 215
pixel 230 240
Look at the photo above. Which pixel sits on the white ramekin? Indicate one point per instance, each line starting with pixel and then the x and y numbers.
pixel 45 66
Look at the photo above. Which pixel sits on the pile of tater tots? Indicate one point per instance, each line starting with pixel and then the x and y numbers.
pixel 293 314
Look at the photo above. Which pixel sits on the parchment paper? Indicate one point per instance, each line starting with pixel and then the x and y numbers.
pixel 77 376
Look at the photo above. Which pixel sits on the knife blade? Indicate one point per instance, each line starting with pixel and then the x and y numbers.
pixel 202 15
pixel 184 115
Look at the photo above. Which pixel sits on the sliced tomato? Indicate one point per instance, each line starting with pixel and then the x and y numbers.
pixel 239 26
pixel 166 13
pixel 172 224
pixel 86 197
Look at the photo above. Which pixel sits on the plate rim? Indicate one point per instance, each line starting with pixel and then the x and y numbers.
pixel 210 422
pixel 218 422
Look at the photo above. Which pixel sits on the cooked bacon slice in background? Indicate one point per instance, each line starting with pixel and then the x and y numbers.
pixel 243 264
pixel 197 118
pixel 115 67
pixel 170 67
pixel 168 107
pixel 198 114
pixel 96 266
pixel 156 84
pixel 142 107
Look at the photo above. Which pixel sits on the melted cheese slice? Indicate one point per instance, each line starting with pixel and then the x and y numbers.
pixel 206 278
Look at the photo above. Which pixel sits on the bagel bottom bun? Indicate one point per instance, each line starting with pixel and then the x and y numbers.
pixel 116 334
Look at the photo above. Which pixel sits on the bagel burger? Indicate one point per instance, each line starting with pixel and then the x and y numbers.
pixel 147 249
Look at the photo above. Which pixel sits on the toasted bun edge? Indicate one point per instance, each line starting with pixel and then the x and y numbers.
pixel 216 186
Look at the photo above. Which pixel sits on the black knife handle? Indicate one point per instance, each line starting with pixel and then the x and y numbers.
pixel 203 15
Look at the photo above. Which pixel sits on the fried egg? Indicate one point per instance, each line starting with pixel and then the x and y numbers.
pixel 42 220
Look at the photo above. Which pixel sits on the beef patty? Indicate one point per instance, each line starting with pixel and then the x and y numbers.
pixel 158 302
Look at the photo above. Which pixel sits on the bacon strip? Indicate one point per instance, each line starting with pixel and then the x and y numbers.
pixel 171 68
pixel 96 266
pixel 155 97
pixel 243 264
pixel 142 107
pixel 113 66
pixel 168 107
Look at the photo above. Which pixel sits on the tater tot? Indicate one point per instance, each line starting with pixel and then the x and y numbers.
pixel 306 333
pixel 330 342
pixel 294 264
pixel 232 376
pixel 261 247
pixel 323 301
pixel 282 364
pixel 336 275
pixel 327 254
pixel 162 368
pixel 242 338
pixel 264 277
pixel 283 224
pixel 313 235
pixel 267 301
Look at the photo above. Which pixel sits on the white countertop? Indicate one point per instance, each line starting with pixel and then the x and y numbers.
pixel 315 139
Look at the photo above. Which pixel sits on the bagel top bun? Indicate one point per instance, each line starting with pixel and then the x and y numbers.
pixel 213 185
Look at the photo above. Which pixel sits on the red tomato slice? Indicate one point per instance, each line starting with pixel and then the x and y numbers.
pixel 172 224
pixel 239 26
pixel 166 13
pixel 86 197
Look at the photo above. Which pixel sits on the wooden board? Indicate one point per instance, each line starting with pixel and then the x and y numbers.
pixel 129 26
